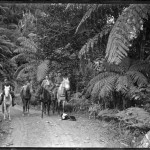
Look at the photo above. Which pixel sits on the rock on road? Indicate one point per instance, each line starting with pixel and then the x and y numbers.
pixel 33 131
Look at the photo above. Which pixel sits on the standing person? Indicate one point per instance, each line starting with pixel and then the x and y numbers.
pixel 8 83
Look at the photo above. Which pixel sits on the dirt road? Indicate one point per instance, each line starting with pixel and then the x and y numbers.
pixel 33 131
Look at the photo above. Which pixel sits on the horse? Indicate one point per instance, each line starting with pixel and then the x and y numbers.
pixel 45 99
pixel 26 96
pixel 62 93
pixel 54 99
pixel 7 102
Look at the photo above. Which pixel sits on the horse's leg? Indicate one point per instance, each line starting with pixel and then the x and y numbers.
pixel 8 109
pixel 48 108
pixel 53 105
pixel 23 100
pixel 45 107
pixel 63 103
pixel 41 105
pixel 28 107
pixel 58 107
pixel 42 108
pixel 4 111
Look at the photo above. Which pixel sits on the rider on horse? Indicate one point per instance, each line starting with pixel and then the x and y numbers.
pixel 58 79
pixel 47 84
pixel 8 83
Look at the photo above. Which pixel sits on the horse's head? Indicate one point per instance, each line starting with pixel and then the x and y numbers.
pixel 66 83
pixel 7 90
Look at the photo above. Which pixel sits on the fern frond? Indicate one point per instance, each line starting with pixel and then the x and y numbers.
pixel 137 77
pixel 24 50
pixel 109 86
pixel 93 41
pixel 100 77
pixel 13 26
pixel 23 57
pixel 6 42
pixel 113 68
pixel 98 86
pixel 5 49
pixel 88 91
pixel 118 43
pixel 122 84
pixel 42 70
pixel 27 43
pixel 26 67
pixel 140 66
pixel 91 9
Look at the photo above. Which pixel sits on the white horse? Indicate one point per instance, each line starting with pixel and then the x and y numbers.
pixel 61 95
pixel 7 102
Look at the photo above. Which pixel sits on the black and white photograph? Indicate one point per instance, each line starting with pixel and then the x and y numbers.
pixel 74 75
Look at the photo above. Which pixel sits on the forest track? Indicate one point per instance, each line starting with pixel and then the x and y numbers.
pixel 33 131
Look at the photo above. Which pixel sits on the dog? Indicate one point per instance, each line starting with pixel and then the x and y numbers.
pixel 65 116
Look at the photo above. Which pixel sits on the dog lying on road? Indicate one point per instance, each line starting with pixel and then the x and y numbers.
pixel 65 116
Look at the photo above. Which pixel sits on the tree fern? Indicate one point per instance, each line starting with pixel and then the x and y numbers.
pixel 99 85
pixel 125 30
pixel 109 86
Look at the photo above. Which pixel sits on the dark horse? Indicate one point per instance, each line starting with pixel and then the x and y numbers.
pixel 45 99
pixel 26 96
pixel 54 99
